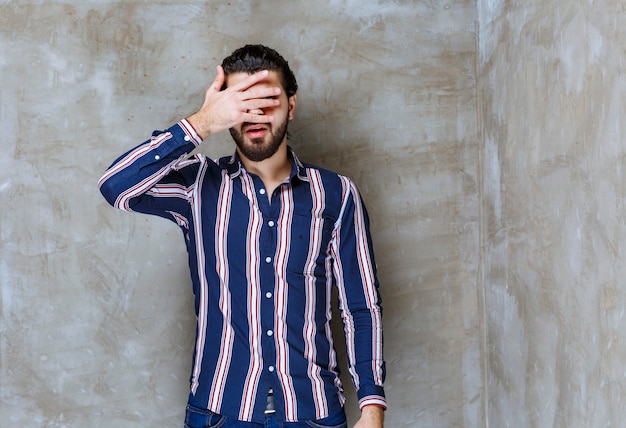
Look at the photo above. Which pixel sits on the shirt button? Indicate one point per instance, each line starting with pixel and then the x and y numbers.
pixel 262 191
pixel 268 260
pixel 157 157
pixel 187 138
pixel 270 332
pixel 271 223
pixel 268 295
pixel 271 368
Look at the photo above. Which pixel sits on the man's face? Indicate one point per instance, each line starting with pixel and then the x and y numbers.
pixel 260 141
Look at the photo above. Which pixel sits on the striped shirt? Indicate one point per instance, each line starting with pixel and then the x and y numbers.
pixel 263 268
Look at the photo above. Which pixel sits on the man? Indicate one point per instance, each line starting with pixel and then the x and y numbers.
pixel 268 237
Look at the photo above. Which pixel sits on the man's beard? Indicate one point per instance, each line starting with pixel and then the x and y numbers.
pixel 257 150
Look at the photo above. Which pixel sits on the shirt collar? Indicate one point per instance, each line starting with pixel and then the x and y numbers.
pixel 234 166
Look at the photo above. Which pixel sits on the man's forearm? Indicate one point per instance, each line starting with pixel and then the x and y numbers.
pixel 145 164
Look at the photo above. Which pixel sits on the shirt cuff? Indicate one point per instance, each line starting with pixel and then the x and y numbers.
pixel 190 133
pixel 373 400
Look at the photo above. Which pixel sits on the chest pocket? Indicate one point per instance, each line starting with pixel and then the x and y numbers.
pixel 310 237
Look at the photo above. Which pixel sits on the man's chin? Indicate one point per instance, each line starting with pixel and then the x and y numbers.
pixel 255 152
pixel 255 142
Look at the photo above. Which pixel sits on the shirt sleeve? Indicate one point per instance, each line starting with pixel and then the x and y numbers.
pixel 359 299
pixel 155 177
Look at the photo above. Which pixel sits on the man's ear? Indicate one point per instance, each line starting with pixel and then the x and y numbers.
pixel 292 105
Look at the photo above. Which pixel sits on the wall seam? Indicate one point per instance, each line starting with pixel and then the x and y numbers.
pixel 481 277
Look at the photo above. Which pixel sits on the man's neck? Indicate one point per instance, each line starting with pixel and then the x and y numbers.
pixel 273 170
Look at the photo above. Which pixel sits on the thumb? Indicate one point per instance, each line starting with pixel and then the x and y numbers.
pixel 217 84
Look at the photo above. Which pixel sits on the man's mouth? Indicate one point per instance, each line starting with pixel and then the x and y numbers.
pixel 256 131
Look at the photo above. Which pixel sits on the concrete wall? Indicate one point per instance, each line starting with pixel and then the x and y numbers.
pixel 97 318
pixel 485 136
pixel 551 96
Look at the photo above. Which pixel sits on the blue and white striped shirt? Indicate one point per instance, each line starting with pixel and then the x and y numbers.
pixel 262 276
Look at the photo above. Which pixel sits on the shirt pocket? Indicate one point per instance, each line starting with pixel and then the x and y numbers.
pixel 310 238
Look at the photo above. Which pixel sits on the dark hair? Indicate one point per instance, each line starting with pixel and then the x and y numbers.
pixel 252 58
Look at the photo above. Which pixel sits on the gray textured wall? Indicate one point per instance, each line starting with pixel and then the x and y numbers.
pixel 486 137
pixel 551 95
pixel 96 304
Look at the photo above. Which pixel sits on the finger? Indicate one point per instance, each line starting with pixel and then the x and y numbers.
pixel 250 80
pixel 254 93
pixel 260 103
pixel 256 118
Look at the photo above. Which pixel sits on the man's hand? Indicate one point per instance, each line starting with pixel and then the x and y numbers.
pixel 371 417
pixel 224 109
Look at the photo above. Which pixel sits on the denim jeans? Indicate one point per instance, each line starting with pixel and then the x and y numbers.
pixel 201 418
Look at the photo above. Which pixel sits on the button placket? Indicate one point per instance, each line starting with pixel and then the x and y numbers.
pixel 267 250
